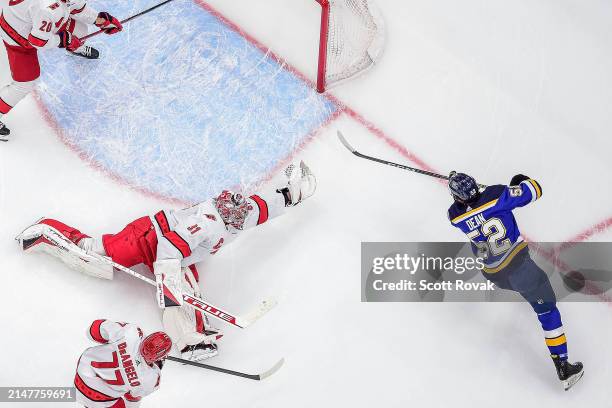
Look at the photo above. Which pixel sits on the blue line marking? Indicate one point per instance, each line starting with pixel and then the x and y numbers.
pixel 179 103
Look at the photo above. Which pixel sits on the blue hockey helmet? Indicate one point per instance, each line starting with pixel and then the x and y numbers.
pixel 463 187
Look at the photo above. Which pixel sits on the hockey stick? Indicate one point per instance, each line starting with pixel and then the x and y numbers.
pixel 57 239
pixel 199 304
pixel 388 163
pixel 128 19
pixel 256 377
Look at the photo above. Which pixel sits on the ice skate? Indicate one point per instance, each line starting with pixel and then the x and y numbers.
pixel 568 373
pixel 4 131
pixel 86 51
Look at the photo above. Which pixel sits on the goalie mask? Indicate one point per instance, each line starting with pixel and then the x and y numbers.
pixel 233 208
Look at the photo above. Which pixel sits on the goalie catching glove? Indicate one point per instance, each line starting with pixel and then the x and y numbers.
pixel 301 184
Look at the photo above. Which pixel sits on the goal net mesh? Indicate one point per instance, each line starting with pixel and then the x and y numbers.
pixel 355 38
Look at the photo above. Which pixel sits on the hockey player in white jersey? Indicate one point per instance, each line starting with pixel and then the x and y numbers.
pixel 178 239
pixel 123 369
pixel 32 25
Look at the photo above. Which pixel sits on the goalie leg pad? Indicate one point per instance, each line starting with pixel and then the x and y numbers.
pixel 185 325
pixel 42 237
pixel 69 232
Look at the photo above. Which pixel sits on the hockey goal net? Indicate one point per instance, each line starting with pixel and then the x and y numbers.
pixel 352 40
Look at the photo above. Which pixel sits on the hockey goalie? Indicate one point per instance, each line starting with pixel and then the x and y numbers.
pixel 171 242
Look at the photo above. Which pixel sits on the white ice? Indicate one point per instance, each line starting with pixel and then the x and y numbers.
pixel 492 87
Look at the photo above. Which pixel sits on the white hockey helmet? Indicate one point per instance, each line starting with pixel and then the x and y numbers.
pixel 233 208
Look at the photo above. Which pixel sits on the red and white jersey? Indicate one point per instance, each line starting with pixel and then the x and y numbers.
pixel 114 369
pixel 35 23
pixel 193 233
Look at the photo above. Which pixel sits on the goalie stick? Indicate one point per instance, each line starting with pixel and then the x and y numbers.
pixel 64 245
pixel 129 18
pixel 389 163
pixel 199 304
pixel 256 377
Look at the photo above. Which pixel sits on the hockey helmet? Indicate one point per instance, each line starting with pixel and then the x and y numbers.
pixel 233 208
pixel 463 188
pixel 155 347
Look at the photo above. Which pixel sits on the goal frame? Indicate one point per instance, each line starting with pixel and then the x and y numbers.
pixel 373 52
pixel 323 39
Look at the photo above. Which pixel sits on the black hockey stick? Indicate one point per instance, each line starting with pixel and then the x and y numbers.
pixel 388 163
pixel 142 13
pixel 256 377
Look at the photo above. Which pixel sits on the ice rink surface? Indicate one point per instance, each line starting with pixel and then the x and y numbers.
pixel 185 102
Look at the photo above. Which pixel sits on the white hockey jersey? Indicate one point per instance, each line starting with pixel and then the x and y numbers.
pixel 35 23
pixel 193 233
pixel 115 368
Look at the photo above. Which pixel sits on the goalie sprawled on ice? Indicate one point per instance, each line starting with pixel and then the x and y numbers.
pixel 170 243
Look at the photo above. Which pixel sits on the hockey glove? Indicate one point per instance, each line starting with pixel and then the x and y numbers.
pixel 108 23
pixel 518 179
pixel 69 41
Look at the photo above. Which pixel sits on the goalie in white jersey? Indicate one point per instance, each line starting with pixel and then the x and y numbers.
pixel 123 369
pixel 32 25
pixel 171 242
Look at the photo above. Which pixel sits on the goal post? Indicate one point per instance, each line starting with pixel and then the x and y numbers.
pixel 351 40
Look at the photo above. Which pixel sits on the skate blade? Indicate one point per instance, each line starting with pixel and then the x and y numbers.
pixel 570 382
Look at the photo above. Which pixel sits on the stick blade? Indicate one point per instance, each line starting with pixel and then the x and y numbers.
pixel 272 370
pixel 345 142
pixel 256 314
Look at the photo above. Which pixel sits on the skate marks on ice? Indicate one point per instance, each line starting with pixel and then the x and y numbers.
pixel 179 104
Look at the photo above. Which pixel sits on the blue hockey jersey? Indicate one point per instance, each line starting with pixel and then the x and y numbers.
pixel 490 224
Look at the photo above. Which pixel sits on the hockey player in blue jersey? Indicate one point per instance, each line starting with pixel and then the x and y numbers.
pixel 487 220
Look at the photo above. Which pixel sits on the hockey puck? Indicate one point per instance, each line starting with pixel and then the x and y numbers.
pixel 574 281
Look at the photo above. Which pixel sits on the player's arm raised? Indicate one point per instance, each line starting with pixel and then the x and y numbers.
pixel 300 184
pixel 523 190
